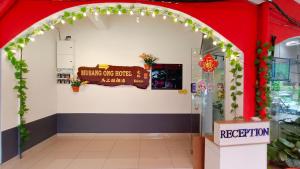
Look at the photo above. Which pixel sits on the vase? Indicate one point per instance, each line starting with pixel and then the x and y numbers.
pixel 147 67
pixel 75 88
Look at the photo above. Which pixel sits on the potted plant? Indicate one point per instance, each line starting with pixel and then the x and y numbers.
pixel 284 152
pixel 149 60
pixel 76 83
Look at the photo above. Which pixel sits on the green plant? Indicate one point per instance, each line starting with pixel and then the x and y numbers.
pixel 75 82
pixel 21 68
pixel 148 59
pixel 263 65
pixel 285 151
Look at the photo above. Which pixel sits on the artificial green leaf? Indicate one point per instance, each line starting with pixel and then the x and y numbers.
pixel 83 9
pixel 232 87
pixel 286 142
pixel 239 93
pixel 283 156
pixel 67 14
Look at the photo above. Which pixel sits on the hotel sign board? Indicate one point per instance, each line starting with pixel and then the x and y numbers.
pixel 109 75
pixel 228 133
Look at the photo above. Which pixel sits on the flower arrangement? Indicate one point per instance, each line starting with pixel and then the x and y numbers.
pixel 148 59
pixel 76 83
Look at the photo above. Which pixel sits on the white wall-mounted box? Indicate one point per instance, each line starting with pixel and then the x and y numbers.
pixel 65 54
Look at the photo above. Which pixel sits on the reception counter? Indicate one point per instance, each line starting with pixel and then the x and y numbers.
pixel 237 145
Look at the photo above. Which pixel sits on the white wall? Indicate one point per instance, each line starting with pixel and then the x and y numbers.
pixel 41 59
pixel 120 44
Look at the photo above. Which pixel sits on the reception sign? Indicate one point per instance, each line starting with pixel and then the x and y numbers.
pixel 109 75
pixel 241 132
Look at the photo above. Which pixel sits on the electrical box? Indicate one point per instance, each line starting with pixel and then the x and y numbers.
pixel 64 61
pixel 65 54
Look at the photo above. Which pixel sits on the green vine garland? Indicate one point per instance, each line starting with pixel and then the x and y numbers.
pixel 263 64
pixel 70 17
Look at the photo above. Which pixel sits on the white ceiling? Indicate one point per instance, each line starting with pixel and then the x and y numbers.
pixel 257 1
pixel 261 1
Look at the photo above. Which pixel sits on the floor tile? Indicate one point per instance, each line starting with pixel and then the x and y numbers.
pixel 121 164
pixel 107 151
pixel 182 163
pixel 150 163
pixel 86 164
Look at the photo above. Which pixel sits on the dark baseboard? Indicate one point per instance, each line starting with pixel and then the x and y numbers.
pixel 39 130
pixel 127 123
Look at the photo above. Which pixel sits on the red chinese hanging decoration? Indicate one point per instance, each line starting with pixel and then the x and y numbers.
pixel 208 63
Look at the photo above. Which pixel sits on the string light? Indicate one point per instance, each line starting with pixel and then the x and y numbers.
pixel 22 45
pixel 120 13
pixel 153 15
pixel 164 17
pixel 32 39
pixel 108 12
pixel 63 21
pixel 52 27
pixel 143 13
pixel 186 24
pixel 96 13
pixel 205 36
pixel 131 12
pixel 74 18
pixel 41 32
pixel 84 14
pixel 196 29
pixel 215 43
pixel 223 50
pixel 175 19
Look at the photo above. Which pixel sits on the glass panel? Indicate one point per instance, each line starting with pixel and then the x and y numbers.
pixel 208 88
pixel 285 90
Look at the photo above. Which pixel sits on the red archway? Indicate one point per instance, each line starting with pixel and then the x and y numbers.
pixel 238 24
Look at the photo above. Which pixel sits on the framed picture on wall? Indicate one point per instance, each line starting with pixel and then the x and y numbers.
pixel 166 77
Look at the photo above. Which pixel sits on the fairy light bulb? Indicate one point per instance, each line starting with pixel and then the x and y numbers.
pixel 119 13
pixel 215 43
pixel 153 15
pixel 164 17
pixel 196 29
pixel 32 39
pixel 143 13
pixel 84 14
pixel 205 36
pixel 175 19
pixel 63 21
pixel 96 13
pixel 186 24
pixel 223 50
pixel 108 12
pixel 74 18
pixel 137 19
pixel 131 12
pixel 52 27
pixel 41 32
pixel 22 45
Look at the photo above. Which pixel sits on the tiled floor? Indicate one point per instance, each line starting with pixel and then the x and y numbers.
pixel 108 151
